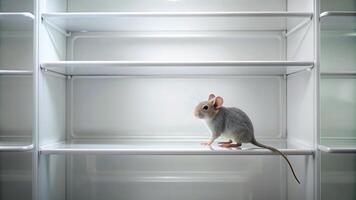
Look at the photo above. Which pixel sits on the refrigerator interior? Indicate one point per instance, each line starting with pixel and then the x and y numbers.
pixel 337 99
pixel 16 175
pixel 16 98
pixel 119 81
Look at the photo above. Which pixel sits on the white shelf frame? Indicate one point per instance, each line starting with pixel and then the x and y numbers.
pixel 16 148
pixel 48 66
pixel 337 13
pixel 16 14
pixel 15 72
pixel 46 17
pixel 346 15
pixel 338 73
pixel 328 149
pixel 123 151
pixel 188 147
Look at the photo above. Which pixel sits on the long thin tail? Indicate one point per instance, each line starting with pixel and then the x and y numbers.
pixel 276 150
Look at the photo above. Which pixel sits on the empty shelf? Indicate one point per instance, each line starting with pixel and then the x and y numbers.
pixel 16 21
pixel 175 68
pixel 15 144
pixel 15 148
pixel 337 20
pixel 338 146
pixel 15 72
pixel 338 73
pixel 164 148
pixel 171 176
pixel 166 21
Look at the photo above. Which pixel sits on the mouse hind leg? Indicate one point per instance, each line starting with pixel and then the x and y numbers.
pixel 237 143
pixel 230 145
pixel 228 142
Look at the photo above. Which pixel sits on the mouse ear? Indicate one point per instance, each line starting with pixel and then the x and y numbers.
pixel 218 102
pixel 211 96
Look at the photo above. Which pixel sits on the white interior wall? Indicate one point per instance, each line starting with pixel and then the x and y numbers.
pixel 177 46
pixel 102 116
pixel 301 86
pixel 16 49
pixel 16 5
pixel 338 107
pixel 201 177
pixel 301 101
pixel 16 100
pixel 300 107
pixel 337 175
pixel 339 5
pixel 300 45
pixel 52 109
pixel 341 43
pixel 52 99
pixel 52 179
pixel 150 107
pixel 15 175
pixel 181 5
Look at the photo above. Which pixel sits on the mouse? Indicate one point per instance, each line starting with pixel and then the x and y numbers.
pixel 232 123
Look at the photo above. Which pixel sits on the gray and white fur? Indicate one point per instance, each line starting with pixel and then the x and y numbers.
pixel 232 123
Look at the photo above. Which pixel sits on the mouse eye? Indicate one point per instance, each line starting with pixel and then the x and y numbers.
pixel 205 107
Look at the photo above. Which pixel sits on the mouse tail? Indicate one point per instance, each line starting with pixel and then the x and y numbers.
pixel 277 151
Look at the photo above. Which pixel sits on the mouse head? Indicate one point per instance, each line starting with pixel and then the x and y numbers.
pixel 208 109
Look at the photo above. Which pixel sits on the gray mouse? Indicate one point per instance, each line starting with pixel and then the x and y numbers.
pixel 232 123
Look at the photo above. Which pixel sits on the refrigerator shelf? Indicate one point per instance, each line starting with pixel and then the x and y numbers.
pixel 337 146
pixel 16 21
pixel 15 148
pixel 338 20
pixel 132 68
pixel 15 72
pixel 67 22
pixel 159 147
pixel 15 144
pixel 158 176
pixel 338 73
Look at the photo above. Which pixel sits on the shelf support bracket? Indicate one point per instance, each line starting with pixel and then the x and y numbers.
pixel 299 26
pixel 55 27
pixel 302 70
pixel 43 69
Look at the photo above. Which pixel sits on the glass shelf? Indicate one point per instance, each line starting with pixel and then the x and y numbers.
pixel 171 177
pixel 338 73
pixel 338 145
pixel 15 144
pixel 159 147
pixel 175 68
pixel 338 20
pixel 166 21
pixel 16 21
pixel 15 72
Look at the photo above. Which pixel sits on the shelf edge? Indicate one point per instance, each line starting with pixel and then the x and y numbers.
pixel 16 148
pixel 23 14
pixel 178 14
pixel 49 151
pixel 328 149
pixel 337 13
